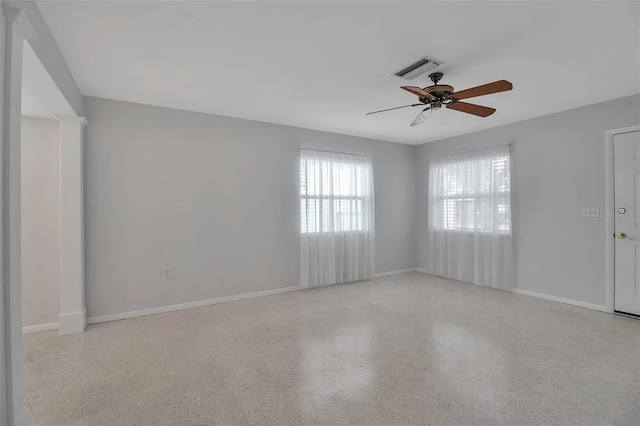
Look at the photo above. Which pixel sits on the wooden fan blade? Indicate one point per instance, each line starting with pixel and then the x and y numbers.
pixel 485 89
pixel 391 109
pixel 421 117
pixel 479 110
pixel 419 92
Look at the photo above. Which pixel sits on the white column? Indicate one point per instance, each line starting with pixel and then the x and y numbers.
pixel 73 316
pixel 14 30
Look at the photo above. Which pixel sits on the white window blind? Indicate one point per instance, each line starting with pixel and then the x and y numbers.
pixel 334 192
pixel 471 193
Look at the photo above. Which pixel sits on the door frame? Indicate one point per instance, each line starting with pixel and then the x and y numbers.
pixel 609 213
pixel 15 30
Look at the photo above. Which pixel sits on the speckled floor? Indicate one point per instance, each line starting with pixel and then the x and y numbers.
pixel 407 349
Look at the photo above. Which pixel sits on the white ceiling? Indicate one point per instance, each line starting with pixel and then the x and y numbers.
pixel 41 98
pixel 323 65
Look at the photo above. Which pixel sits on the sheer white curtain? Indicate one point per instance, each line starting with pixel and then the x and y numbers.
pixel 336 215
pixel 469 231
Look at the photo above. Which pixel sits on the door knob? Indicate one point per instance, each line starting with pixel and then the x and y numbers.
pixel 622 235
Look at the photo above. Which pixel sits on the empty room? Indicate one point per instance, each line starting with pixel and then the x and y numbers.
pixel 320 213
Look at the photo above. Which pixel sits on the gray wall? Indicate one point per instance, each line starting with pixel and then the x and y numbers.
pixel 558 167
pixel 40 215
pixel 215 200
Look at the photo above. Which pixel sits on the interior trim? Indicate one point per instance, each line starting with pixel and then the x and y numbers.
pixel 40 327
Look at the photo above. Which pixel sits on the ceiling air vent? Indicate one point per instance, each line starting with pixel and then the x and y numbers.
pixel 417 69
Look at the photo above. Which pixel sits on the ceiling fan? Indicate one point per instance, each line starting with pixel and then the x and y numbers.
pixel 434 97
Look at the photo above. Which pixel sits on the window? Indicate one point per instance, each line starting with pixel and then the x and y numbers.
pixel 335 192
pixel 471 192
pixel 469 232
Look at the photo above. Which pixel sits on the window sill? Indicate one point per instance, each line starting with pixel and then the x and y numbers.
pixel 452 231
pixel 336 234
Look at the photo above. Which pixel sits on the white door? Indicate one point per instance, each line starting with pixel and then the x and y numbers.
pixel 626 152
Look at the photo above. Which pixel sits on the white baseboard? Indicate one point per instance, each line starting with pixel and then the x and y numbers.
pixel 398 272
pixel 196 304
pixel 40 327
pixel 549 297
pixel 562 300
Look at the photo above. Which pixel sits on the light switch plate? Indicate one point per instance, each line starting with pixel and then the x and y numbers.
pixel 590 212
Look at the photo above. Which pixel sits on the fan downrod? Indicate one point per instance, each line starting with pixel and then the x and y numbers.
pixel 435 77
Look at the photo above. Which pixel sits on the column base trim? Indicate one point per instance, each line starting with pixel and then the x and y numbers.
pixel 73 322
pixel 23 419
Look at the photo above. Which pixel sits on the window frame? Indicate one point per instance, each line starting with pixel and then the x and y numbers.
pixel 361 199
pixel 473 197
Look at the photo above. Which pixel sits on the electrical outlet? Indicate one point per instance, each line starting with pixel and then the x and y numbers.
pixel 590 212
pixel 166 273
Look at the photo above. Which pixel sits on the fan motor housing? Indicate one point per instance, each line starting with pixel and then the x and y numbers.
pixel 441 91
